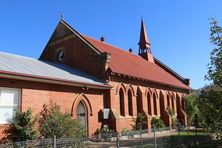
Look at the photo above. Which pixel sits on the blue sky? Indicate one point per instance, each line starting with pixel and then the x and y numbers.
pixel 178 30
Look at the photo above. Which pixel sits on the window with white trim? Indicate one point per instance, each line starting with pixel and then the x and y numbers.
pixel 9 103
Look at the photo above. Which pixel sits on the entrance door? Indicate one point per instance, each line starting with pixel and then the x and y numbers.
pixel 82 114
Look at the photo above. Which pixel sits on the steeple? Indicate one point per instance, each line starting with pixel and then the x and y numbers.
pixel 145 44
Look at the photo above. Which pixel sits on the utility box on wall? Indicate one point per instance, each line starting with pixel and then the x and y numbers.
pixel 106 113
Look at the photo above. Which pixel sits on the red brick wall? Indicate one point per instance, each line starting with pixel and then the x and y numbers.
pixel 77 54
pixel 34 95
pixel 122 122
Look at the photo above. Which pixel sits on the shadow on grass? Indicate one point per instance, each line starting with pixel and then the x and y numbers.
pixel 174 141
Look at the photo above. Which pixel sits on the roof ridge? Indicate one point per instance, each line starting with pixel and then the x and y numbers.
pixel 15 55
pixel 109 44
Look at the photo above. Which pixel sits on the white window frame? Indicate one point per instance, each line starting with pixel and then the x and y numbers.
pixel 10 106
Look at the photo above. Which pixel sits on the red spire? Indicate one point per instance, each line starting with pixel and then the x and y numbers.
pixel 144 43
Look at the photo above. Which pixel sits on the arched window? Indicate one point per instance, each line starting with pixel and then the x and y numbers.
pixel 183 104
pixel 178 104
pixel 149 103
pixel 121 102
pixel 168 100
pixel 155 104
pixel 130 103
pixel 172 101
pixel 139 101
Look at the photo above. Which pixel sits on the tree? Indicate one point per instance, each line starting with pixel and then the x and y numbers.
pixel 22 127
pixel 210 105
pixel 210 99
pixel 53 122
pixel 215 65
pixel 191 107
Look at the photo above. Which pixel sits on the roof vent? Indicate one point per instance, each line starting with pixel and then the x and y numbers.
pixel 130 50
pixel 102 39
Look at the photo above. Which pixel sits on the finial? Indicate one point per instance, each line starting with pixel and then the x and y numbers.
pixel 130 50
pixel 102 39
pixel 62 16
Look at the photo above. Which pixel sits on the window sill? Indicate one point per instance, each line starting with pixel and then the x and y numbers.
pixel 127 117
pixel 5 124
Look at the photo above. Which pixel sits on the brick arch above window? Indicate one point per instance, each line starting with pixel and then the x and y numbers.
pixel 119 86
pixel 81 98
pixel 139 89
pixel 129 87
pixel 148 90
pixel 156 93
pixel 162 93
pixel 171 94
pixel 178 96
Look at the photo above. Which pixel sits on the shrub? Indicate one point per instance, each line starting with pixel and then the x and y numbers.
pixel 157 122
pixel 22 127
pixel 105 129
pixel 139 122
pixel 125 132
pixel 175 123
pixel 53 122
pixel 105 132
pixel 170 111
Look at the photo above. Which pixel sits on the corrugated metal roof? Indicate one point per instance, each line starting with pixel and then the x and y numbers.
pixel 29 66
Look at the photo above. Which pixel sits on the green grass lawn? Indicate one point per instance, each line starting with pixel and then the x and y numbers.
pixel 185 139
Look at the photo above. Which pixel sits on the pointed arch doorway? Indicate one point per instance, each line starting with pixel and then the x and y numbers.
pixel 81 114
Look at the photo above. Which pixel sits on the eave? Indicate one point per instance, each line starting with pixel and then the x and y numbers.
pixel 49 80
pixel 146 80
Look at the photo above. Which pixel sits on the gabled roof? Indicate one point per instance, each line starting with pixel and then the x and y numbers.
pixel 32 68
pixel 64 26
pixel 127 63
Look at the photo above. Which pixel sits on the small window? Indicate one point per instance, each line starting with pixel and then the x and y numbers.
pixel 9 103
pixel 60 55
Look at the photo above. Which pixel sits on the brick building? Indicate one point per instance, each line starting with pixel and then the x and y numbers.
pixel 85 76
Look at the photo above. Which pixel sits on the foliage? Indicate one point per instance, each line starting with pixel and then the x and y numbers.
pixel 53 122
pixel 105 132
pixel 214 67
pixel 210 105
pixel 139 121
pixel 105 129
pixel 175 123
pixel 170 111
pixel 191 107
pixel 22 127
pixel 126 132
pixel 210 99
pixel 157 122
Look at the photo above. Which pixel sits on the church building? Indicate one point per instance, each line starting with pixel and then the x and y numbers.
pixel 94 81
